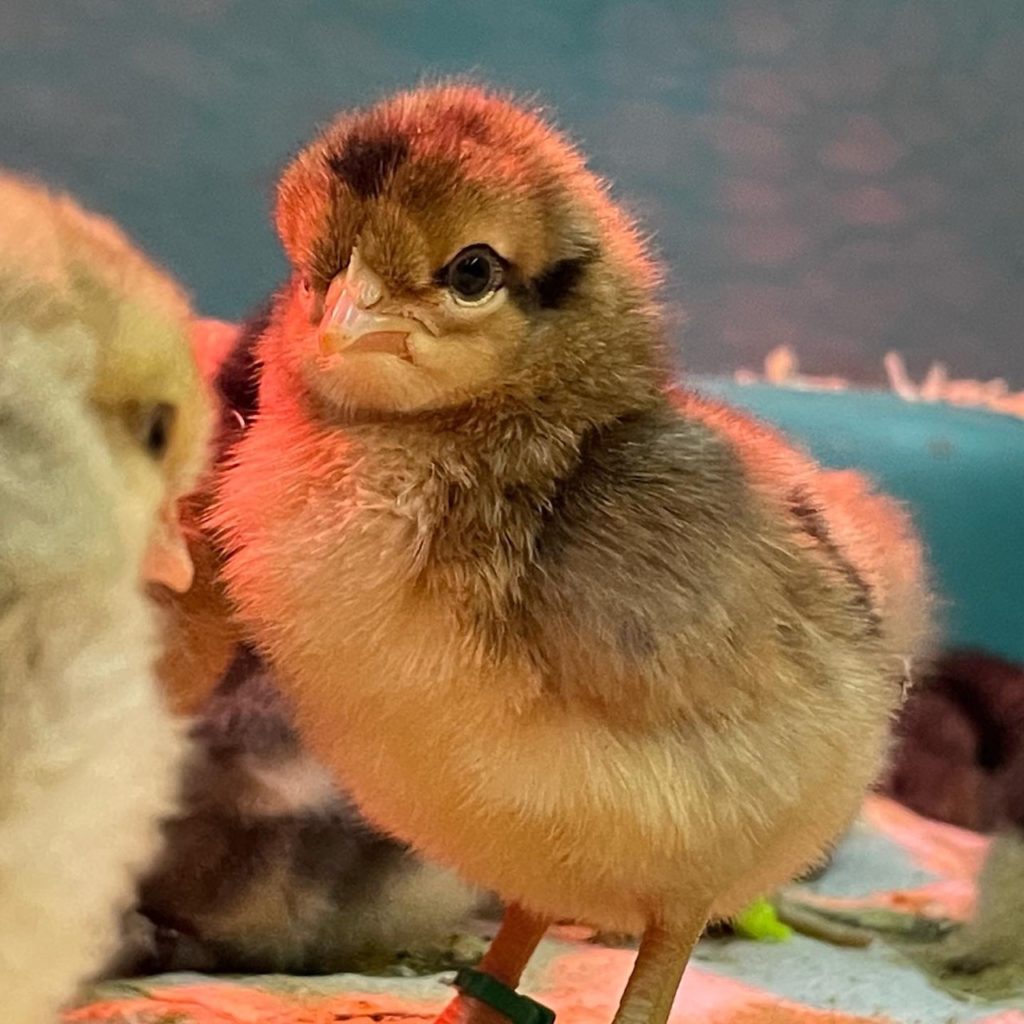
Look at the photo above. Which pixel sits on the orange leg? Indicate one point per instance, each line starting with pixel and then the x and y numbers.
pixel 660 962
pixel 505 960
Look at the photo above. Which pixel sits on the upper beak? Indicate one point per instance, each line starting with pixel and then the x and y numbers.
pixel 349 323
pixel 167 559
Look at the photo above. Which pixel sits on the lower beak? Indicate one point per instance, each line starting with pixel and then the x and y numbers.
pixel 347 327
pixel 167 559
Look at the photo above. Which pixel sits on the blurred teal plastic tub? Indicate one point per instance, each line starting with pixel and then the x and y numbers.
pixel 961 471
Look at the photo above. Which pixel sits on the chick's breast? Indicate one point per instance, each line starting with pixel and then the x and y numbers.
pixel 684 703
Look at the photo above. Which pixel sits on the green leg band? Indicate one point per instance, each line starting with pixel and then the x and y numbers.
pixel 509 1003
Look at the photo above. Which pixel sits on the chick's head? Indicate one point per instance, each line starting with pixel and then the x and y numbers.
pixel 449 245
pixel 63 268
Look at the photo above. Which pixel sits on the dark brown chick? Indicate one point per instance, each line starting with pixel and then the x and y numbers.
pixel 268 868
pixel 957 738
pixel 602 649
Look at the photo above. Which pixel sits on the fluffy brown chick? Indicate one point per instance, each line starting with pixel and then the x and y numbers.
pixel 102 427
pixel 267 867
pixel 601 648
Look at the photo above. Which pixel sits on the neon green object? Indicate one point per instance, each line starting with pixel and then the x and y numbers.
pixel 760 923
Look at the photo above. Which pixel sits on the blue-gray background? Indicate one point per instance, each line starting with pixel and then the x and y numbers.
pixel 842 175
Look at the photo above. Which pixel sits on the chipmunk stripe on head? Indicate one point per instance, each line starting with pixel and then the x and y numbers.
pixel 368 158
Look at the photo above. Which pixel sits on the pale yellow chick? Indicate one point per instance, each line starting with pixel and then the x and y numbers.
pixel 103 423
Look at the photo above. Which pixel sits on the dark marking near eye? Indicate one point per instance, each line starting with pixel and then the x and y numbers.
pixel 366 160
pixel 558 283
pixel 554 286
pixel 812 521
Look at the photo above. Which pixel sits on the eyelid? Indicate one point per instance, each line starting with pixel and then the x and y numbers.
pixel 475 245
pixel 439 274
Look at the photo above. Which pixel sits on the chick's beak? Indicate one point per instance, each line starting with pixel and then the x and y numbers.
pixel 350 324
pixel 167 559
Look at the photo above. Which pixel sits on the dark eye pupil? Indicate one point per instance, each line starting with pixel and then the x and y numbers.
pixel 156 442
pixel 157 430
pixel 473 275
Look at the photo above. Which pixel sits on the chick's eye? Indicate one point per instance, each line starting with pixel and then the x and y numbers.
pixel 474 274
pixel 154 426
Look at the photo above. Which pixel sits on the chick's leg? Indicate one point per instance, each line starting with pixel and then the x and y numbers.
pixel 505 960
pixel 660 962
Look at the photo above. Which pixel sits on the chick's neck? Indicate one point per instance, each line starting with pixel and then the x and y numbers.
pixel 527 433
pixel 479 479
